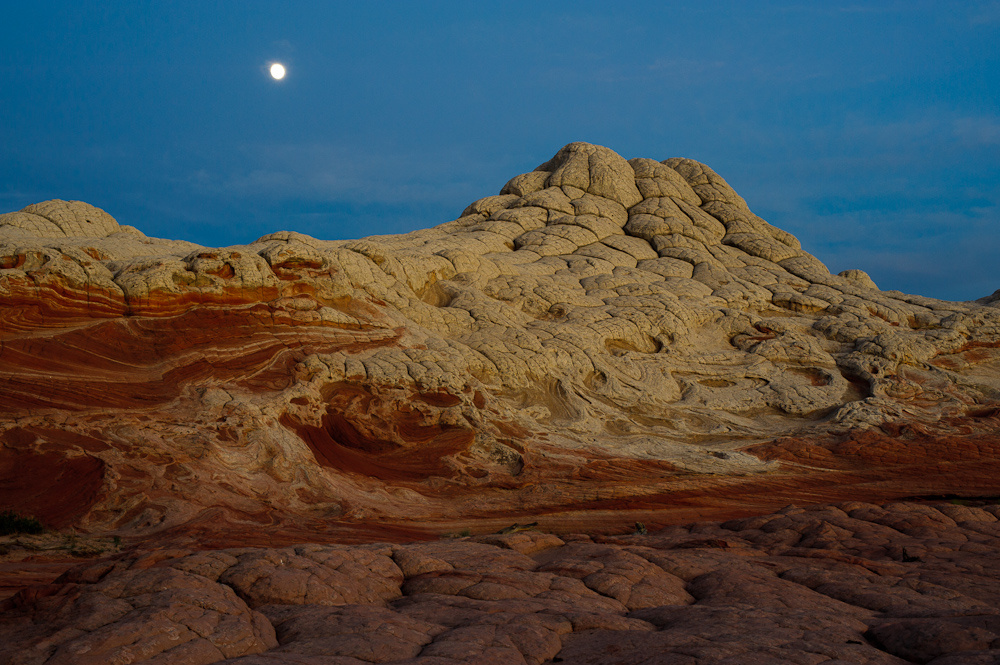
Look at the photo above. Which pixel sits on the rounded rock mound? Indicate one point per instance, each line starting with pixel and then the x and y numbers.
pixel 59 219
pixel 603 339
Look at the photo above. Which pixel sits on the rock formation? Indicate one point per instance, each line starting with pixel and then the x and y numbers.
pixel 851 583
pixel 604 341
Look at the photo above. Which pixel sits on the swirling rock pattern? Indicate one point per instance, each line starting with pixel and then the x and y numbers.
pixel 602 336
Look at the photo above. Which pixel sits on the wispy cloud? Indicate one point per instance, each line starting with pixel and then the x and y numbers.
pixel 327 172
pixel 982 131
pixel 946 253
pixel 985 13
pixel 881 7
pixel 884 8
pixel 934 124
pixel 14 199
pixel 684 69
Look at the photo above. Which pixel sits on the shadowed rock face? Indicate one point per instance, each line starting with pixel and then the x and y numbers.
pixel 603 336
pixel 848 583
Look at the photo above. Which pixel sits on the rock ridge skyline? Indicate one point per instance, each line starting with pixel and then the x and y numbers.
pixel 603 333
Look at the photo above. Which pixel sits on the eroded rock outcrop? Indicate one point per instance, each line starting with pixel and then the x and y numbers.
pixel 602 335
pixel 847 583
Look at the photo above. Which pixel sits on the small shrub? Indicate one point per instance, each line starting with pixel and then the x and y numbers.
pixel 11 522
pixel 464 533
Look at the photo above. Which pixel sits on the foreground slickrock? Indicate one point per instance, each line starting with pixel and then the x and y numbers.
pixel 602 336
pixel 848 583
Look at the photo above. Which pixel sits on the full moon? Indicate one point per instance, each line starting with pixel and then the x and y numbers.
pixel 277 71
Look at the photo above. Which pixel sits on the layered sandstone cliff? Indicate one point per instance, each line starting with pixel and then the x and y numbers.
pixel 603 335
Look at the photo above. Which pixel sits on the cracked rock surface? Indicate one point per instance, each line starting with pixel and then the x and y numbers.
pixel 603 335
pixel 826 584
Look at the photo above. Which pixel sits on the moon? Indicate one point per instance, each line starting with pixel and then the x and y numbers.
pixel 277 71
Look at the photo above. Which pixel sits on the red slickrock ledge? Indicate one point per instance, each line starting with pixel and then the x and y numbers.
pixel 839 583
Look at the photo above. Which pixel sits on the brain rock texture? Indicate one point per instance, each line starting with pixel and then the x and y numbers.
pixel 602 335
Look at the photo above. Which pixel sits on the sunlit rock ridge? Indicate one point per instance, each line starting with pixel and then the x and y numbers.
pixel 604 335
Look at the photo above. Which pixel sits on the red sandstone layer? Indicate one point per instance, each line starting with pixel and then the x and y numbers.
pixel 606 341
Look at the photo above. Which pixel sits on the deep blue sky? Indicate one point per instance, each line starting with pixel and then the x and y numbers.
pixel 871 130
